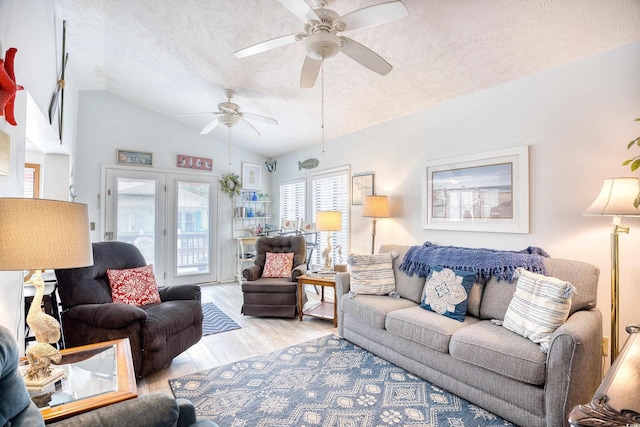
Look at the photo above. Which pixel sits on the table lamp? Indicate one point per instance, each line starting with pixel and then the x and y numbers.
pixel 615 199
pixel 375 207
pixel 39 234
pixel 328 221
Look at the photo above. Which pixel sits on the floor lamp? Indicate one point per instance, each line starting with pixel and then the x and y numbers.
pixel 375 207
pixel 328 221
pixel 40 234
pixel 615 199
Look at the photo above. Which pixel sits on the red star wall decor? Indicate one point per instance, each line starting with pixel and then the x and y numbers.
pixel 8 86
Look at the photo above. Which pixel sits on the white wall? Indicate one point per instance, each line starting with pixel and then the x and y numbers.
pixel 108 122
pixel 576 119
pixel 29 26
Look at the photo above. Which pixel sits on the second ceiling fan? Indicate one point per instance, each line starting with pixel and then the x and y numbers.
pixel 321 39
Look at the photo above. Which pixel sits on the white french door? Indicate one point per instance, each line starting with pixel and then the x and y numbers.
pixel 170 217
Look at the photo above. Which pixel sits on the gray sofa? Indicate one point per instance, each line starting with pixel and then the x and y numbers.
pixel 478 360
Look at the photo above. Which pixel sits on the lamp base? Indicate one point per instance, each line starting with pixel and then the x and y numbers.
pixel 40 384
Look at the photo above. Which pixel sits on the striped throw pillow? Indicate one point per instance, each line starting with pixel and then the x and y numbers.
pixel 539 306
pixel 372 274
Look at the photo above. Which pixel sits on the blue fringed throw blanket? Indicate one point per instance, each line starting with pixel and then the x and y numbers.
pixel 483 262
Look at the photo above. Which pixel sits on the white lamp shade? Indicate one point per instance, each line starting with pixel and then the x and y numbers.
pixel 38 234
pixel 616 198
pixel 376 207
pixel 328 221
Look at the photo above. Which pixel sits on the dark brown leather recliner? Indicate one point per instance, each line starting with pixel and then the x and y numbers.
pixel 157 332
pixel 268 296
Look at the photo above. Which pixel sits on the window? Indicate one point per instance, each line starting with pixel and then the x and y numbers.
pixel 330 192
pixel 292 200
pixel 32 180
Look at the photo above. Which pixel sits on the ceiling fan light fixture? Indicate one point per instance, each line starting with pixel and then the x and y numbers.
pixel 228 120
pixel 322 45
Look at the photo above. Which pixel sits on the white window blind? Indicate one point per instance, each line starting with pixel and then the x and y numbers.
pixel 31 180
pixel 330 192
pixel 292 200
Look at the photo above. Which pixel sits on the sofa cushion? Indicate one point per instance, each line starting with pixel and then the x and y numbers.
pixel 446 292
pixel 539 306
pixel 495 348
pixel 372 274
pixel 278 264
pixel 134 286
pixel 373 309
pixel 425 327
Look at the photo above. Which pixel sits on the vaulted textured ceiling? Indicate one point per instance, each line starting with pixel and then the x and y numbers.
pixel 176 57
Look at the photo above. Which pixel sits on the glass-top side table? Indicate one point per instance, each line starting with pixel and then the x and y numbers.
pixel 94 375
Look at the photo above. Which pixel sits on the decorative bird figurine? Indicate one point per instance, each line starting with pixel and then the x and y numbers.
pixel 47 331
pixel 8 86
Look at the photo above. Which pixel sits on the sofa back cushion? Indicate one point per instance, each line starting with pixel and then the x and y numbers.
pixel 584 276
pixel 410 287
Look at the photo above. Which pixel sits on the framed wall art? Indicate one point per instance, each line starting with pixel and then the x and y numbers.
pixel 5 153
pixel 251 176
pixel 361 185
pixel 193 162
pixel 134 158
pixel 478 192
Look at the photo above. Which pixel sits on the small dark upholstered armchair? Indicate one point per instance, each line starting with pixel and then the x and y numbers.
pixel 272 296
pixel 157 332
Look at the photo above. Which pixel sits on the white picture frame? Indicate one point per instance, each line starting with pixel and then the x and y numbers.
pixel 486 192
pixel 251 176
pixel 361 186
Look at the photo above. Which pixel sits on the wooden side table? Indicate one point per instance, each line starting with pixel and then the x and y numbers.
pixel 322 309
pixel 617 400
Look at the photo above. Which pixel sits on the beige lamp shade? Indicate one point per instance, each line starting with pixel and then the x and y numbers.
pixel 616 198
pixel 38 234
pixel 376 207
pixel 328 221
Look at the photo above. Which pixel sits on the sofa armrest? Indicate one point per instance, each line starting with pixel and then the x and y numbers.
pixel 343 284
pixel 574 364
pixel 108 316
pixel 180 292
pixel 251 273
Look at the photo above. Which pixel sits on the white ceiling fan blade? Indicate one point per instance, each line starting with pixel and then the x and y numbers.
pixel 365 56
pixel 300 9
pixel 374 15
pixel 260 118
pixel 208 128
pixel 244 122
pixel 266 45
pixel 195 114
pixel 310 71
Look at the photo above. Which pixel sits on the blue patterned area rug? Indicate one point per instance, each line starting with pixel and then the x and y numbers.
pixel 215 320
pixel 327 382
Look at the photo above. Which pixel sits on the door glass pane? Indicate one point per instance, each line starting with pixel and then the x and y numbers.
pixel 136 218
pixel 192 231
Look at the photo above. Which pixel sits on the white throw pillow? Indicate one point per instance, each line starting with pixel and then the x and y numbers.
pixel 372 274
pixel 539 306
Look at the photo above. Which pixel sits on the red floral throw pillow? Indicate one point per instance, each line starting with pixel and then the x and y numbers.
pixel 134 286
pixel 278 265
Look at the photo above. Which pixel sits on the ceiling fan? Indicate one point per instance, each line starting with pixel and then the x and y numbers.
pixel 321 39
pixel 229 115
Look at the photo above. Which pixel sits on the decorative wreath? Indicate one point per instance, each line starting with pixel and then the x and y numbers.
pixel 231 184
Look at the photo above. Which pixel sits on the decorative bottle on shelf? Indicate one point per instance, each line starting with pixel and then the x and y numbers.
pixel 254 198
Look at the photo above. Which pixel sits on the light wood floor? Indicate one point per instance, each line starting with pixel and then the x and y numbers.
pixel 256 336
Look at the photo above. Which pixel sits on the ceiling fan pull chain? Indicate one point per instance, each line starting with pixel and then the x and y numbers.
pixel 322 82
pixel 229 145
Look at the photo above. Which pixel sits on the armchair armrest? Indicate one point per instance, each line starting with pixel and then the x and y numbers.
pixel 108 316
pixel 184 292
pixel 298 271
pixel 343 284
pixel 251 273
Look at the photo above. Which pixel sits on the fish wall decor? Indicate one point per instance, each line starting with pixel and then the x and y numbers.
pixel 308 164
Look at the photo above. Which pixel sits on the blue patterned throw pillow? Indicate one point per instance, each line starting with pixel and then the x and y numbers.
pixel 447 291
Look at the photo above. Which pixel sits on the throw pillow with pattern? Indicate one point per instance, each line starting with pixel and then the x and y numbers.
pixel 446 292
pixel 539 306
pixel 134 286
pixel 278 264
pixel 372 274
